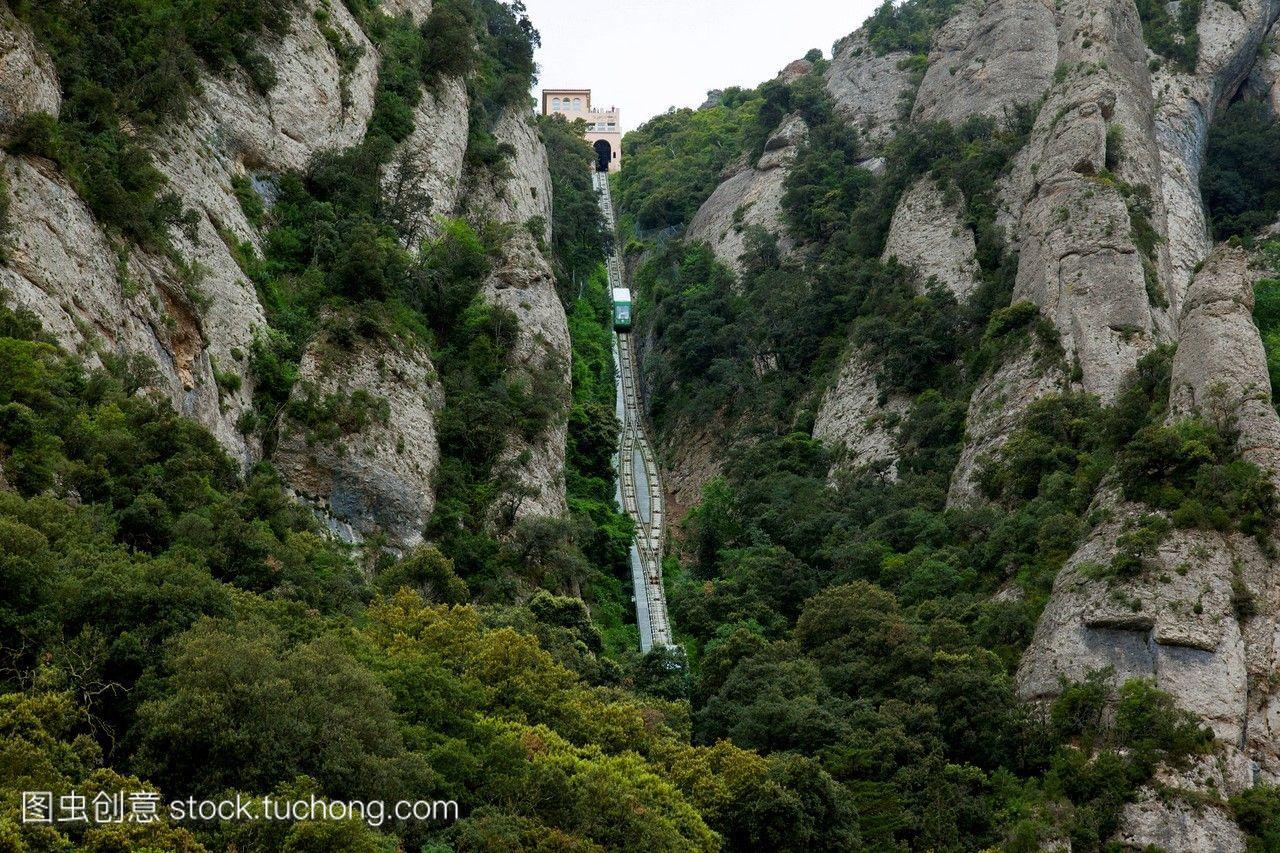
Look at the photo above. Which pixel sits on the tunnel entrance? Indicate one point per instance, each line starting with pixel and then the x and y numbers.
pixel 604 155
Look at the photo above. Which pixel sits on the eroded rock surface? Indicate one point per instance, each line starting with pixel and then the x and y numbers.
pixel 523 283
pixel 868 89
pixel 431 159
pixel 1178 622
pixel 750 197
pixel 853 421
pixel 988 59
pixel 379 479
pixel 928 234
pixel 28 81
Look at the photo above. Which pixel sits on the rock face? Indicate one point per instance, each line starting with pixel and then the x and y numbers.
pixel 1073 225
pixel 1115 153
pixel 1220 363
pixel 988 59
pixel 928 234
pixel 1264 77
pixel 431 159
pixel 750 197
pixel 416 9
pixel 1186 104
pixel 196 314
pixel 28 82
pixel 379 479
pixel 1178 622
pixel 868 89
pixel 852 419
pixel 93 300
pixel 524 284
pixel 200 315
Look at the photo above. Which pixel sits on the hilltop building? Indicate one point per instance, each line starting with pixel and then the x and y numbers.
pixel 604 129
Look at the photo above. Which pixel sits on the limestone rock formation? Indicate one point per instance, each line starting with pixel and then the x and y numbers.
pixel 852 420
pixel 416 9
pixel 524 284
pixel 431 159
pixel 928 234
pixel 28 82
pixel 995 410
pixel 750 197
pixel 988 59
pixel 1264 78
pixel 380 478
pixel 314 105
pixel 794 70
pixel 92 299
pixel 867 88
pixel 200 315
pixel 1178 622
pixel 195 313
pixel 1186 104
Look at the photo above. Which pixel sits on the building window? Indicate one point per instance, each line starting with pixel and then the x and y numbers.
pixel 577 105
pixel 555 105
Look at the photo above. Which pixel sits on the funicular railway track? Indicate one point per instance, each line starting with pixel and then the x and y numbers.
pixel 639 485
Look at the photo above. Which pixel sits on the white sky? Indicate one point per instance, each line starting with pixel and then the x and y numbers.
pixel 644 56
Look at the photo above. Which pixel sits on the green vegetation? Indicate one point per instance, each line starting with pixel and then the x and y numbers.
pixel 1176 39
pixel 591 477
pixel 907 26
pixel 1266 315
pixel 125 68
pixel 856 621
pixel 1257 810
pixel 579 236
pixel 674 160
pixel 1241 177
pixel 795 315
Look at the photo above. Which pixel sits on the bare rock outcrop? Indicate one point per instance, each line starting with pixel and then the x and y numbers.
pixel 928 234
pixel 1179 622
pixel 28 80
pixel 750 197
pixel 431 159
pixel 989 58
pixel 1220 363
pixel 1186 103
pixel 93 299
pixel 853 421
pixel 995 411
pixel 795 70
pixel 314 106
pixel 523 283
pixel 868 89
pixel 195 318
pixel 378 478
pixel 1079 261
pixel 1179 818
pixel 524 193
pixel 419 10
pixel 1264 78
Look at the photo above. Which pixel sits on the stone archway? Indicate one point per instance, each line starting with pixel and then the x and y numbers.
pixel 604 155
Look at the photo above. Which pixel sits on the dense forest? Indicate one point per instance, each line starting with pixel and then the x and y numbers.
pixel 173 623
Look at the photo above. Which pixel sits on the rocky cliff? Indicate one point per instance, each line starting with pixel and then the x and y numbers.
pixel 1114 122
pixel 195 313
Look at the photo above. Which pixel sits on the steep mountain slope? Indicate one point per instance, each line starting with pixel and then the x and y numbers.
pixel 988 285
pixel 191 307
